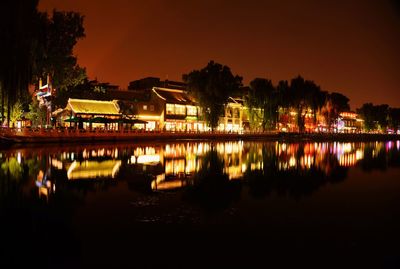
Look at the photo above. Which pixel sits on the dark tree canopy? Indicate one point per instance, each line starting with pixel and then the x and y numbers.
pixel 264 96
pixel 58 36
pixel 18 39
pixel 303 95
pixel 374 116
pixel 394 118
pixel 34 45
pixel 211 86
pixel 336 103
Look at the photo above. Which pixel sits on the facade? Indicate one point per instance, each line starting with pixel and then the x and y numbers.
pixel 91 114
pixel 232 121
pixel 348 122
pixel 158 105
pixel 180 112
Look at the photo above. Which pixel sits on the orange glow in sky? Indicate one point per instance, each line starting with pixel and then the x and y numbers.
pixel 347 46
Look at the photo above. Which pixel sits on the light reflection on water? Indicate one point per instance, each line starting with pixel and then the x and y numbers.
pixel 173 166
pixel 88 198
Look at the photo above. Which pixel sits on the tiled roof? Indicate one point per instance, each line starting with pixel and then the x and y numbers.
pixel 173 96
pixel 83 106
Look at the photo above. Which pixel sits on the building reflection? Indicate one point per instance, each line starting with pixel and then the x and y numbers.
pixel 45 185
pixel 93 169
pixel 173 166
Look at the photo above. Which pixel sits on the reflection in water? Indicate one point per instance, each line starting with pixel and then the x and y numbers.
pixel 288 168
pixel 93 169
pixel 44 193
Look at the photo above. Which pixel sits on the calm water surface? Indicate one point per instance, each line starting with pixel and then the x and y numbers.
pixel 201 204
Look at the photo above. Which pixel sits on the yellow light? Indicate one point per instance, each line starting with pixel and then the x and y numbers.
pixel 150 117
pixel 148 159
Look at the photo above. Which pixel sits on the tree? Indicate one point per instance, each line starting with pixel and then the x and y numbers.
pixel 18 39
pixel 34 45
pixel 335 104
pixel 263 97
pixel 37 114
pixel 374 116
pixel 394 118
pixel 211 86
pixel 16 113
pixel 58 36
pixel 302 93
pixel 366 112
pixel 382 114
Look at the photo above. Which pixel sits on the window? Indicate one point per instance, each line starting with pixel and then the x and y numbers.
pixel 229 113
pixel 180 110
pixel 236 113
pixel 191 110
pixel 170 109
pixel 151 107
pixel 144 107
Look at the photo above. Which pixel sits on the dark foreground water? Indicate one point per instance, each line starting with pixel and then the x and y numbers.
pixel 203 205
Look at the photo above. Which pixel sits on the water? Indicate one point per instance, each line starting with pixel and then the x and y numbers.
pixel 190 204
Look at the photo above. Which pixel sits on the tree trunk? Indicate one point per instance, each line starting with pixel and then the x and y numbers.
pixel 8 113
pixel 2 107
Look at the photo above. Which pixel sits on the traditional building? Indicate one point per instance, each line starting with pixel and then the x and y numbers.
pixel 180 111
pixel 348 122
pixel 233 119
pixel 88 114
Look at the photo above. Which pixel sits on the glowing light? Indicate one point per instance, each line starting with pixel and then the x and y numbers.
pixel 148 159
pixel 57 164
pixel 149 117
pixel 93 169
pixel 292 161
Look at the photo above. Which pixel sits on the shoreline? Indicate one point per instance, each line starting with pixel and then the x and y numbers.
pixel 55 137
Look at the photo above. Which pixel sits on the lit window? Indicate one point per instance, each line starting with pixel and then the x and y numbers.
pixel 170 109
pixel 191 110
pixel 180 110
pixel 144 107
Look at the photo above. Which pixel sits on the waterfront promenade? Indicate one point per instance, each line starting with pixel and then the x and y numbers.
pixel 25 135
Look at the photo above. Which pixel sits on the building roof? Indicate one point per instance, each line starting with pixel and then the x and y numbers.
pixel 173 96
pixel 84 106
pixel 236 100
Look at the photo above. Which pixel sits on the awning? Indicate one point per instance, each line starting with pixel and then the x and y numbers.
pixel 101 120
pixel 74 119
pixel 132 121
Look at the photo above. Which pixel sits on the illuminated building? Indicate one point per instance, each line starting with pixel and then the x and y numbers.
pixel 181 113
pixel 82 112
pixel 348 122
pixel 232 121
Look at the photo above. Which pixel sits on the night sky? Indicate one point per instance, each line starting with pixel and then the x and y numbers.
pixel 347 46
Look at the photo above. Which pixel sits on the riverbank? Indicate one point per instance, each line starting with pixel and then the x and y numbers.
pixel 80 136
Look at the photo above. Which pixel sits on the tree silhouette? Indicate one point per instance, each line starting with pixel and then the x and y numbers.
pixel 263 96
pixel 211 86
pixel 305 95
pixel 18 38
pixel 335 104
pixel 34 45
pixel 58 35
pixel 374 116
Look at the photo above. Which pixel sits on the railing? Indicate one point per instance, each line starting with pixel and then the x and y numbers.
pixel 73 131
pixel 82 133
